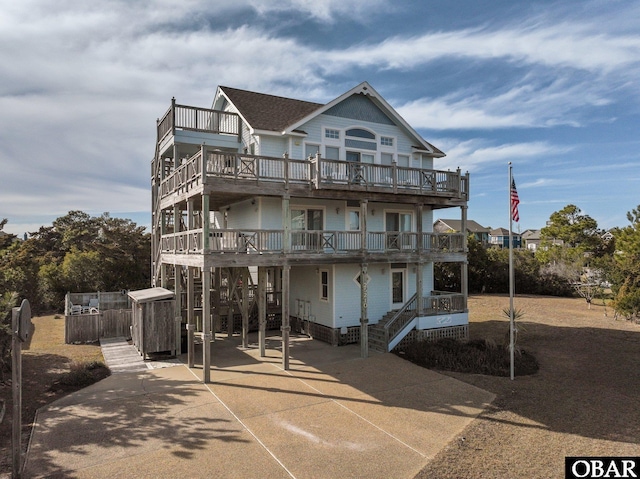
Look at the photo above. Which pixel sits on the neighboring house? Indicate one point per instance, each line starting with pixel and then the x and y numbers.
pixel 270 212
pixel 500 237
pixel 531 240
pixel 479 232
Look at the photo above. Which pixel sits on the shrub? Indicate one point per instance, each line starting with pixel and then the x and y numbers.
pixel 476 357
pixel 82 375
pixel 7 302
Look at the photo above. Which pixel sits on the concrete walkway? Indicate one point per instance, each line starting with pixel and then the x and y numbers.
pixel 331 415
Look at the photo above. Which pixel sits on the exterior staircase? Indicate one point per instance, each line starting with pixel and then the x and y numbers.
pixel 386 333
pixel 378 335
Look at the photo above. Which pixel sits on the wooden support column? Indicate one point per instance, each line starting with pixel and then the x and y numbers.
pixel 419 286
pixel 245 307
pixel 262 310
pixel 464 274
pixel 191 325
pixel 190 220
pixel 164 276
pixel 363 225
pixel 217 281
pixel 364 327
pixel 420 265
pixel 231 290
pixel 206 325
pixel 177 274
pixel 206 223
pixel 286 224
pixel 286 270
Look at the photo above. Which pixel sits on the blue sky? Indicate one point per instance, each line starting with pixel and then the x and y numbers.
pixel 552 86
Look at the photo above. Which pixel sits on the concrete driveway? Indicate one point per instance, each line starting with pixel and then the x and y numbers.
pixel 331 415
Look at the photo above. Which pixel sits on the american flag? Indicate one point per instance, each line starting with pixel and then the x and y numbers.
pixel 515 200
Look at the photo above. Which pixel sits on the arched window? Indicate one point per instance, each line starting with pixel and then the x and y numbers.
pixel 360 138
pixel 360 133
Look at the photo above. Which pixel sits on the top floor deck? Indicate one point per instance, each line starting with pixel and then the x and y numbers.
pixel 229 172
pixel 203 120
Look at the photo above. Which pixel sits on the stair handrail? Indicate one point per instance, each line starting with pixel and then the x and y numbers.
pixel 400 319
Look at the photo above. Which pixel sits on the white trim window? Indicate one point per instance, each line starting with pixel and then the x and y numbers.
pixel 332 134
pixel 331 152
pixel 310 150
pixel 324 285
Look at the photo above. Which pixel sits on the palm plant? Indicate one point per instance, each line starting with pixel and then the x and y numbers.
pixel 518 314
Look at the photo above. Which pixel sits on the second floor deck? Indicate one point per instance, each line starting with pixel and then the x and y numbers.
pixel 248 246
pixel 213 171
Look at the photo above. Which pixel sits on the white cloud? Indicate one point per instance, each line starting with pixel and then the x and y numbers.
pixel 475 155
pixel 555 44
pixel 534 103
pixel 322 10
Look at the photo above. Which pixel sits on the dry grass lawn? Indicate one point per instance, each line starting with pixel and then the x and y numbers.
pixel 584 401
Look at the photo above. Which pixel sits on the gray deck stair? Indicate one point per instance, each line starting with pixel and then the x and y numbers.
pixel 377 333
pixel 123 357
pixel 378 340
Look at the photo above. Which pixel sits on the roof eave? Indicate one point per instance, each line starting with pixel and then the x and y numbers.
pixel 221 92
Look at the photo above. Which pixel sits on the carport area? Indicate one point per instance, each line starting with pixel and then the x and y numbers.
pixel 332 414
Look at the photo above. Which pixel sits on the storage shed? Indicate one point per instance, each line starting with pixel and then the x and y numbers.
pixel 153 328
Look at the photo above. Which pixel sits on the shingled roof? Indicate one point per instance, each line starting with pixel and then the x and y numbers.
pixel 456 225
pixel 268 112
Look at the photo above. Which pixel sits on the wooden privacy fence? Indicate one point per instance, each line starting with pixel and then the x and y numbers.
pixel 88 328
pixel 91 316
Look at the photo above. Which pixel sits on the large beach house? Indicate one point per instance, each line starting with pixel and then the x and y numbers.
pixel 276 213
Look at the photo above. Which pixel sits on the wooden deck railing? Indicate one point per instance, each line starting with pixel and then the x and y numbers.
pixel 437 304
pixel 416 180
pixel 317 172
pixel 190 172
pixel 273 241
pixel 182 117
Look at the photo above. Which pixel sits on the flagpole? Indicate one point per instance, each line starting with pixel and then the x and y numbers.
pixel 511 279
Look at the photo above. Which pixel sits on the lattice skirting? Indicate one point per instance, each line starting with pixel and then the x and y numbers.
pixel 334 336
pixel 453 332
pixel 325 333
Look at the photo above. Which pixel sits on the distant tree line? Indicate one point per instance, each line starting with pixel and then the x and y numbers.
pixel 488 272
pixel 78 253
pixel 572 251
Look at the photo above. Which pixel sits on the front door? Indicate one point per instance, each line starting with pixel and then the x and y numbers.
pixel 397 288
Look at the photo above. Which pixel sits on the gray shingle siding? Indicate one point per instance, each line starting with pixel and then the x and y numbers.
pixel 361 108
